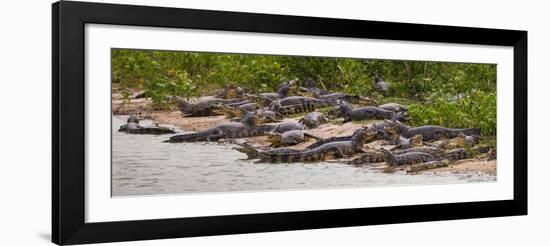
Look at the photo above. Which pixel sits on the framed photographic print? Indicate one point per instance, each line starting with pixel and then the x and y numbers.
pixel 175 122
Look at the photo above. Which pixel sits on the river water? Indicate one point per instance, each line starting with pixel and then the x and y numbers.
pixel 144 165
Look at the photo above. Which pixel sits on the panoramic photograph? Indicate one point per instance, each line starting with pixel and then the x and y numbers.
pixel 187 122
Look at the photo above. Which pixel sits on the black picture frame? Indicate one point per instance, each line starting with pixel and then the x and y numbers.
pixel 68 122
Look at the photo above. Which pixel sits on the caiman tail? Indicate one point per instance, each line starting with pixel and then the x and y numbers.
pixel 467 131
pixel 190 137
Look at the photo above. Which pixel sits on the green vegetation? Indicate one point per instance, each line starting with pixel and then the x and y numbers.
pixel 448 94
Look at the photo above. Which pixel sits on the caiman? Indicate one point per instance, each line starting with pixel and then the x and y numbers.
pixel 366 113
pixel 311 87
pixel 407 143
pixel 245 128
pixel 330 150
pixel 236 111
pixel 460 141
pixel 381 85
pixel 287 126
pixel 300 100
pixel 369 156
pixel 314 119
pixel 132 126
pixel 430 133
pixel 408 158
pixel 282 92
pixel 391 132
pixel 204 107
pixel 386 130
pixel 395 107
pixel 267 116
pixel 349 98
pixel 275 106
pixel 334 112
pixel 435 152
pixel 467 153
pixel 289 138
pixel 252 153
pixel 231 91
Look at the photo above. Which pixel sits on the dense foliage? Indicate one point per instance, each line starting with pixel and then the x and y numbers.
pixel 449 94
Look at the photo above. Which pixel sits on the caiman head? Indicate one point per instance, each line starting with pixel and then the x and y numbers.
pixel 460 140
pixel 185 107
pixel 334 112
pixel 378 78
pixel 231 91
pixel 229 112
pixel 345 109
pixel 283 90
pixel 395 126
pixel 362 135
pixel 402 116
pixel 309 83
pixel 416 141
pixel 275 139
pixel 133 119
pixel 275 106
pixel 250 119
pixel 391 128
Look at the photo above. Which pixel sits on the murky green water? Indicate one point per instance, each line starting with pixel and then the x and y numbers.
pixel 144 165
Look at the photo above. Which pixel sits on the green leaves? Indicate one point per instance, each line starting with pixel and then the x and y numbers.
pixel 474 109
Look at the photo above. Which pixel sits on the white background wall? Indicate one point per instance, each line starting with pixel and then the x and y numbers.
pixel 25 77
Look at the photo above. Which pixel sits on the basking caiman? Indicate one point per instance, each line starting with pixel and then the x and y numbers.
pixel 408 158
pixel 245 128
pixel 430 133
pixel 231 91
pixel 287 126
pixel 275 106
pixel 288 138
pixel 349 98
pixel 300 100
pixel 252 153
pixel 407 143
pixel 311 87
pixel 467 153
pixel 366 113
pixel 327 151
pixel 435 152
pixel 367 157
pixel 314 119
pixel 385 131
pixel 460 141
pixel 395 107
pixel 381 85
pixel 282 92
pixel 267 116
pixel 132 126
pixel 205 107
pixel 236 111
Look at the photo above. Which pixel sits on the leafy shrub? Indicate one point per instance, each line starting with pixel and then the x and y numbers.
pixel 474 109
